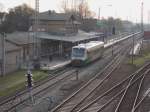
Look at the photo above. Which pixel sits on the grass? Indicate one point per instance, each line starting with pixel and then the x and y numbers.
pixel 139 61
pixel 17 80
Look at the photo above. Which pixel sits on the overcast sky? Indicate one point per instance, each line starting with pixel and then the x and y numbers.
pixel 124 9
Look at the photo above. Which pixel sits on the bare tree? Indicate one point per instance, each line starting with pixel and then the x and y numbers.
pixel 64 5
pixel 1 7
pixel 84 10
pixel 77 6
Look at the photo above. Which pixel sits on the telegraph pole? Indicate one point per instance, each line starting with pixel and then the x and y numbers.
pixel 36 23
pixel 81 8
pixel 3 54
pixel 142 28
pixel 133 49
pixel 72 2
pixel 36 40
pixel 65 5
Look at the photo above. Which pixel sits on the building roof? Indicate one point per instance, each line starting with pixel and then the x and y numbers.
pixel 11 47
pixel 91 44
pixel 20 38
pixel 15 40
pixel 78 37
pixel 50 15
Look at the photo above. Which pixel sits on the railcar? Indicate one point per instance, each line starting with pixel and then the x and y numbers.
pixel 86 53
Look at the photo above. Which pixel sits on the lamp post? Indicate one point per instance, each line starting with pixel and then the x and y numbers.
pixel 99 13
pixel 133 49
pixel 99 17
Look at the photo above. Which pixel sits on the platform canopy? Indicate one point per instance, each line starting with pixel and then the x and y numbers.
pixel 68 38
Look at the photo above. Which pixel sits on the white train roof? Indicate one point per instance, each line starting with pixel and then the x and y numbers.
pixel 90 45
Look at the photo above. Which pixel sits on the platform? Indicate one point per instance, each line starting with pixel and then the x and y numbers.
pixel 137 48
pixel 116 40
pixel 54 64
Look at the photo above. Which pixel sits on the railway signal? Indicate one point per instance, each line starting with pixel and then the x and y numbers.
pixel 29 79
pixel 30 85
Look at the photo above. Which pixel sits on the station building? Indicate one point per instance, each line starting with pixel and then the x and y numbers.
pixel 146 39
pixel 58 32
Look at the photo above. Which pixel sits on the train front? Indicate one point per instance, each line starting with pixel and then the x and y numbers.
pixel 78 56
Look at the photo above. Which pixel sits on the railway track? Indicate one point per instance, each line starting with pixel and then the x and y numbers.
pixel 130 96
pixel 10 103
pixel 72 103
pixel 17 100
pixel 84 95
pixel 14 101
pixel 102 102
pixel 141 103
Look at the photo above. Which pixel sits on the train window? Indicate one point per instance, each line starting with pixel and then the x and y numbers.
pixel 78 52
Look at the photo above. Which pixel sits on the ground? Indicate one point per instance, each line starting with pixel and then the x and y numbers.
pixel 15 81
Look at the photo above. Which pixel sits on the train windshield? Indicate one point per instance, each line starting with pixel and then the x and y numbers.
pixel 78 52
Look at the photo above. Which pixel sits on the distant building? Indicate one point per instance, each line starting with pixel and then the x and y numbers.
pixel 147 35
pixel 24 40
pixel 18 49
pixel 12 57
pixel 56 23
pixel 146 40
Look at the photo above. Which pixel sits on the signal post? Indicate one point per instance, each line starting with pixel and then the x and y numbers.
pixel 29 77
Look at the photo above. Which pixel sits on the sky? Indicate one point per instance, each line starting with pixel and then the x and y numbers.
pixel 124 9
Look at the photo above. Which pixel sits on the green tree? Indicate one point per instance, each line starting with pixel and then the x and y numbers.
pixel 118 24
pixel 17 19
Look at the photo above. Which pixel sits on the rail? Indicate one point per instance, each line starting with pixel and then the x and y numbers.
pixel 112 65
